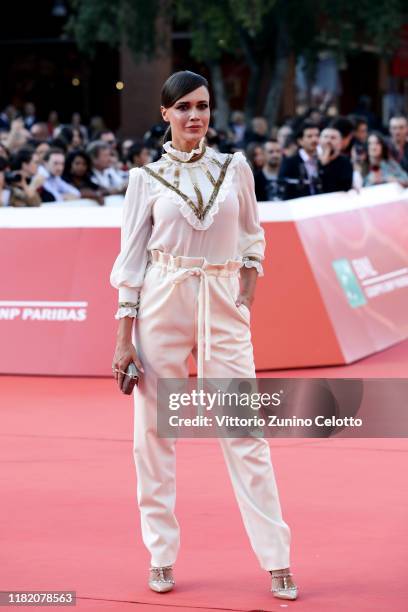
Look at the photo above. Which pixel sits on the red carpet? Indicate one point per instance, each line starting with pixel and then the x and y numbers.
pixel 69 519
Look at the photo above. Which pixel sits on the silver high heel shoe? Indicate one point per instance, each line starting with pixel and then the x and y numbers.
pixel 161 579
pixel 285 591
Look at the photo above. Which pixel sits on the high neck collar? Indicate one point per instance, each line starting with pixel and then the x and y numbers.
pixel 184 156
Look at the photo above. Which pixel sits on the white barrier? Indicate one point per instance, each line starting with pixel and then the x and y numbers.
pixel 90 214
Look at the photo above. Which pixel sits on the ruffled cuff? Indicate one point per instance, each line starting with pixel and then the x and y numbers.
pixel 128 309
pixel 251 262
pixel 126 312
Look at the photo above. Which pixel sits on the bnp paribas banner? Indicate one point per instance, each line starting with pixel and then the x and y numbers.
pixel 335 287
pixel 56 305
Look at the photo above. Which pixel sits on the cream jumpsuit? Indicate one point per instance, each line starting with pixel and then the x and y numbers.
pixel 187 229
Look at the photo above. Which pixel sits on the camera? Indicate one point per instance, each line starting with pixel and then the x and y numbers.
pixel 13 177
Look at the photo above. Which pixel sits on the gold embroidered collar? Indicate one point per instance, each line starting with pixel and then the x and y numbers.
pixel 201 210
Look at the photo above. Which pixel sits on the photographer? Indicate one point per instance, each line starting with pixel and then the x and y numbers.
pixel 23 179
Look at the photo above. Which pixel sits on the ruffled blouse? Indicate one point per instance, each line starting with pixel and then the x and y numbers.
pixel 201 208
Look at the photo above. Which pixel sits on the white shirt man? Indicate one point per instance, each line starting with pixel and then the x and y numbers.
pixel 103 173
pixel 55 189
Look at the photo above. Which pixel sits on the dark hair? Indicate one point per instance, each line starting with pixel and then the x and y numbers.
pixel 385 147
pixel 306 125
pixel 59 143
pixel 23 156
pixel 289 141
pixel 344 125
pixel 53 151
pixel 70 159
pixel 135 149
pixel 179 84
pixel 67 134
pixel 358 120
pixel 312 109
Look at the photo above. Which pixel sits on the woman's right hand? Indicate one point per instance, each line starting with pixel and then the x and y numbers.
pixel 125 353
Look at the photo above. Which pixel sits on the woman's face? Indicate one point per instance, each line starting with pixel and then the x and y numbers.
pixel 374 147
pixel 40 151
pixel 76 139
pixel 78 166
pixel 189 116
pixel 259 157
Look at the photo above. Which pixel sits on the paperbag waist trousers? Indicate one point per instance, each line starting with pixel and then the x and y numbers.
pixel 187 306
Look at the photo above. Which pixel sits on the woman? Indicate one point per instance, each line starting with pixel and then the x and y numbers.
pixel 76 124
pixel 381 167
pixel 256 156
pixel 24 181
pixel 190 224
pixel 72 137
pixel 77 172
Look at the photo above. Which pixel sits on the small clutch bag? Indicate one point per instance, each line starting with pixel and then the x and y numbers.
pixel 130 378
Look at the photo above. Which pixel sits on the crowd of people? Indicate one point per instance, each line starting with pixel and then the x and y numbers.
pixel 317 154
pixel 311 153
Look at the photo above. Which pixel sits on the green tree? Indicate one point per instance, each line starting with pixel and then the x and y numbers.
pixel 264 33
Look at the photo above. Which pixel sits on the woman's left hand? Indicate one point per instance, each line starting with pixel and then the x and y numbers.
pixel 244 299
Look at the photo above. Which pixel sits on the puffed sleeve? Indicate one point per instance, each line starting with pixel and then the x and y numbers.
pixel 251 233
pixel 129 268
